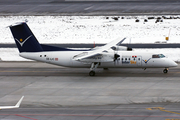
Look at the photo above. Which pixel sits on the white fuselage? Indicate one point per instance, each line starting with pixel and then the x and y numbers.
pixel 127 59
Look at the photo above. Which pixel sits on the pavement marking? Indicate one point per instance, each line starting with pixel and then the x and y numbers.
pixel 88 8
pixel 26 71
pixel 25 117
pixel 162 109
pixel 172 119
pixel 87 115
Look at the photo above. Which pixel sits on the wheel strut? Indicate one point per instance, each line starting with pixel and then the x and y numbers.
pixel 93 68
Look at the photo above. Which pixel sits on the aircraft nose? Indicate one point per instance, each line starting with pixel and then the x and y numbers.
pixel 173 64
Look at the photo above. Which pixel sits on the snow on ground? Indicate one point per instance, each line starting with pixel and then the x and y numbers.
pixel 87 29
pixel 90 29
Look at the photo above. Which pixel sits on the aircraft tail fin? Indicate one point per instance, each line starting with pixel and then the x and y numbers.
pixel 24 38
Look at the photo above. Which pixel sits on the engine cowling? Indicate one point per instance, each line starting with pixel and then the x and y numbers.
pixel 121 48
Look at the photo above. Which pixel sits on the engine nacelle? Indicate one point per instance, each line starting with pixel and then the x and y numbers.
pixel 121 48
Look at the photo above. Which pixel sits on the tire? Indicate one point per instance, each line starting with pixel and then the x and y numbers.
pixel 165 71
pixel 91 73
pixel 105 68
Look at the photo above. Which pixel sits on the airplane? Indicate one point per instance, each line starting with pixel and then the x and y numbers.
pixel 12 107
pixel 111 55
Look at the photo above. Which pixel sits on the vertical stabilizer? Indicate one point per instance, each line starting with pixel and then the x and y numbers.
pixel 24 38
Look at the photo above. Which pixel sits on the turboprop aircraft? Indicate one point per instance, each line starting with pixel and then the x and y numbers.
pixel 111 55
pixel 12 107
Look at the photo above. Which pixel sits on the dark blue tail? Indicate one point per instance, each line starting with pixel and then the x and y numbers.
pixel 24 38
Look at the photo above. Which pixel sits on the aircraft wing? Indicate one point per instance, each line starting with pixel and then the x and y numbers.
pixel 113 43
pixel 97 54
pixel 11 107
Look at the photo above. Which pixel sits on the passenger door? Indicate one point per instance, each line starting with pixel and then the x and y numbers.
pixel 139 60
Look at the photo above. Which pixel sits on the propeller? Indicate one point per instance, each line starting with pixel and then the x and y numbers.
pixel 116 56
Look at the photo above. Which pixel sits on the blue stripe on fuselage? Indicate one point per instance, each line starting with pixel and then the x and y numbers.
pixel 53 48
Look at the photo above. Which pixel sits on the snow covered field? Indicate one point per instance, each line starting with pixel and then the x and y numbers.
pixel 90 29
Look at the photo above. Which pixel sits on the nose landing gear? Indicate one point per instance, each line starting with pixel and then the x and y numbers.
pixel 93 68
pixel 165 70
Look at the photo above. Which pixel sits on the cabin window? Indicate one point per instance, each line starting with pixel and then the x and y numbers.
pixel 129 58
pixel 125 58
pixel 40 55
pixel 122 58
pixel 44 55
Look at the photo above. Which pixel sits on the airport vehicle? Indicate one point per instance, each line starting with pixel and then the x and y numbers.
pixel 12 107
pixel 111 55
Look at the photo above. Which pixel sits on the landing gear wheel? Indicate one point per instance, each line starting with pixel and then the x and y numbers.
pixel 105 68
pixel 91 73
pixel 165 71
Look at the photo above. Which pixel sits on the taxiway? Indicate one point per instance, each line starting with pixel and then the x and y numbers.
pixel 91 7
pixel 53 92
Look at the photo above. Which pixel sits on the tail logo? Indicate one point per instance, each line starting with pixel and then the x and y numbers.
pixel 21 41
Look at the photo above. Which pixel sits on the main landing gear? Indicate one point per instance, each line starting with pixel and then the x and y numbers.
pixel 93 68
pixel 92 73
pixel 165 70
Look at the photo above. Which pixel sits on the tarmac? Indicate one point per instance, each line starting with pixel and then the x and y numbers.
pixel 54 92
pixel 90 7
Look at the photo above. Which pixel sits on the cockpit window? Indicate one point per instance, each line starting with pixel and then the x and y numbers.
pixel 161 56
pixel 158 56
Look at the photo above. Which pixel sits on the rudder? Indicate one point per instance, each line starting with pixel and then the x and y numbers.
pixel 24 38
